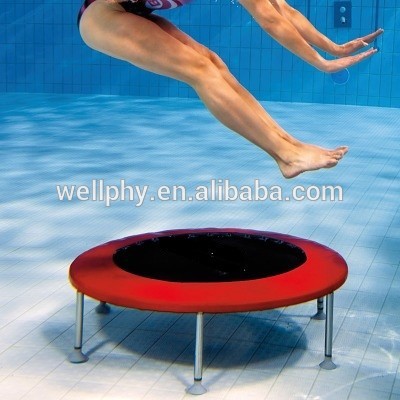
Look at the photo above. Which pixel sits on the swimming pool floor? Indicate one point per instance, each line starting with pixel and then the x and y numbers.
pixel 50 140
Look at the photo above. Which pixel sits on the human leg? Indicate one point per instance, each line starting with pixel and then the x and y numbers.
pixel 236 86
pixel 227 75
pixel 140 41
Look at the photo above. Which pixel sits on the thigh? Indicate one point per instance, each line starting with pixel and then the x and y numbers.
pixel 171 29
pixel 280 5
pixel 184 38
pixel 199 48
pixel 108 28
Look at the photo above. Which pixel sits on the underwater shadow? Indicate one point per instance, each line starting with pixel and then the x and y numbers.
pixel 250 334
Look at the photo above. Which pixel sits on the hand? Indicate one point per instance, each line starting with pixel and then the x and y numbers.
pixel 351 47
pixel 338 64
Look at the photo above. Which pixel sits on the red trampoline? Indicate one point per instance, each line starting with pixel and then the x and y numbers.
pixel 208 271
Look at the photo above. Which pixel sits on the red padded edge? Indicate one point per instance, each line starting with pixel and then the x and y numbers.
pixel 95 274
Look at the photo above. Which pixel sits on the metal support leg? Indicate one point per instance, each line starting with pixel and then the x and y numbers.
pixel 197 387
pixel 103 308
pixel 328 363
pixel 77 356
pixel 320 315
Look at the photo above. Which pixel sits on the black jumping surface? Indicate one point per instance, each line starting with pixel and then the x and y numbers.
pixel 209 257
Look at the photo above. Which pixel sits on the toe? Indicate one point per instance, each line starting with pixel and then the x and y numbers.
pixel 337 155
pixel 332 163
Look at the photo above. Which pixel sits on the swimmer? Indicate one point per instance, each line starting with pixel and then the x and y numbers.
pixel 128 30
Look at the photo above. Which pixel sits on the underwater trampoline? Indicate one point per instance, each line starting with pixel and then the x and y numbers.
pixel 208 271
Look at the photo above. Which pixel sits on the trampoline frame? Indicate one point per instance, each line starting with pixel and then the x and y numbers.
pixel 327 292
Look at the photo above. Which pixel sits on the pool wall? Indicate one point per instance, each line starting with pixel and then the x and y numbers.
pixel 43 52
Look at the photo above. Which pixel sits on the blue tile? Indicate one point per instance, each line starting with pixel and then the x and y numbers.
pixel 363 85
pixel 51 31
pixel 388 41
pixel 385 86
pixel 351 99
pixel 374 83
pixel 395 102
pixel 384 101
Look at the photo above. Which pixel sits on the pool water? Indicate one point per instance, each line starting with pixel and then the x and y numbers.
pixel 53 139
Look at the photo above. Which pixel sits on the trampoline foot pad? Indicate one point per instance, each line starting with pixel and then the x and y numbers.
pixel 319 316
pixel 197 388
pixel 77 356
pixel 103 308
pixel 328 364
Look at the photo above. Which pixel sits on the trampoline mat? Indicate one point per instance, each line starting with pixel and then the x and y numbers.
pixel 209 257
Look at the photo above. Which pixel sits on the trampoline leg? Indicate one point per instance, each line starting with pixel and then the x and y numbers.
pixel 77 356
pixel 320 315
pixel 328 363
pixel 197 387
pixel 103 308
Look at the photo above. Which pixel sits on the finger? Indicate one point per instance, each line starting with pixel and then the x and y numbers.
pixel 372 36
pixel 362 56
pixel 359 44
pixel 356 45
pixel 345 62
pixel 367 53
pixel 351 60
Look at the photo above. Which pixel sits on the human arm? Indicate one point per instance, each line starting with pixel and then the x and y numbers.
pixel 283 31
pixel 316 38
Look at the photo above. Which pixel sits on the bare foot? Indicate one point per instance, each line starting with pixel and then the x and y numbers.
pixel 310 158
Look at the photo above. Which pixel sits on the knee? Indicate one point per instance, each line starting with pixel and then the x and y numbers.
pixel 205 67
pixel 203 70
pixel 210 66
pixel 217 61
